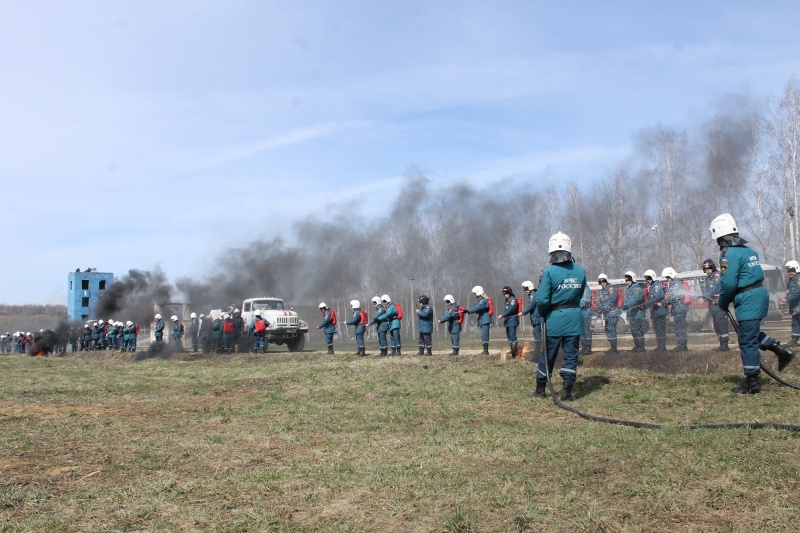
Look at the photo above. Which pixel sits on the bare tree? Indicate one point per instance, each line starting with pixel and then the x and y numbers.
pixel 666 152
pixel 786 118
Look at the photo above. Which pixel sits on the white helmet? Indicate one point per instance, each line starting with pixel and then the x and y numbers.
pixel 202 315
pixel 355 304
pixel 376 300
pixel 129 323
pixel 602 276
pixel 449 298
pixel 669 272
pixel 193 315
pixel 100 321
pixel 559 241
pixel 477 290
pixel 527 285
pixel 158 316
pixel 88 325
pixel 385 298
pixel 236 310
pixel 723 225
pixel 174 318
pixel 793 265
pixel 257 313
pixel 323 305
pixel 650 273
pixel 632 274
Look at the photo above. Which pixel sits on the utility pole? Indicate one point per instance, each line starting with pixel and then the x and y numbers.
pixel 412 306
pixel 792 232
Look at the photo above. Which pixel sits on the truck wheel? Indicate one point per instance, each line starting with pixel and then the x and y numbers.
pixel 297 345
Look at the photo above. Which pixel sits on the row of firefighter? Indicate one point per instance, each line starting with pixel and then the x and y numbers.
pixel 17 342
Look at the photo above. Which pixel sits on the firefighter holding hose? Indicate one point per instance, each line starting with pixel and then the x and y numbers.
pixel 741 285
pixel 558 300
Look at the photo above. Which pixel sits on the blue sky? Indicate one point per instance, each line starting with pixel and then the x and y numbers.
pixel 138 134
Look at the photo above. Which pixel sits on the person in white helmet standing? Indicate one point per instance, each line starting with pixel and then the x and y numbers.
pixel 453 320
pixel 536 320
pixel 328 325
pixel 658 312
pixel 360 326
pixel 194 329
pixel 381 326
pixel 177 333
pixel 607 300
pixel 633 305
pixel 741 285
pixel 392 317
pixel 158 328
pixel 793 299
pixel 675 298
pixel 558 300
pixel 481 308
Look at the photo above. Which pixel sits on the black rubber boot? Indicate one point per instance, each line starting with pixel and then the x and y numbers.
pixel 750 385
pixel 421 350
pixel 398 351
pixel 384 352
pixel 794 342
pixel 429 351
pixel 566 393
pixel 330 349
pixel 613 348
pixel 785 355
pixel 485 348
pixel 455 351
pixel 723 346
pixel 541 389
pixel 394 350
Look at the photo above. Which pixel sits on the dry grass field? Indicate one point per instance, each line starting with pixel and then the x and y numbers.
pixel 312 442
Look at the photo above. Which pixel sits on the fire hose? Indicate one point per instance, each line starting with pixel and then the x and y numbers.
pixel 767 371
pixel 646 425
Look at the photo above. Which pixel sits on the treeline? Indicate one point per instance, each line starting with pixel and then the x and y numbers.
pixel 55 311
pixel 31 317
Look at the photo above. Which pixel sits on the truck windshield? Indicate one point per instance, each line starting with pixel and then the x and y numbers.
pixel 268 305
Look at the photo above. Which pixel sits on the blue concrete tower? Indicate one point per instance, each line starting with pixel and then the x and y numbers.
pixel 83 293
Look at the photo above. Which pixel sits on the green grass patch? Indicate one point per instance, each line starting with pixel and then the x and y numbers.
pixel 307 442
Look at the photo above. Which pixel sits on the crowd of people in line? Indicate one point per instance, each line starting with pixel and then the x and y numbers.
pixel 560 312
pixel 17 342
pixel 564 305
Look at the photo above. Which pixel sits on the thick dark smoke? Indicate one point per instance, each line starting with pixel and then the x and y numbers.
pixel 262 268
pixel 434 242
pixel 161 350
pixel 132 297
pixel 45 342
